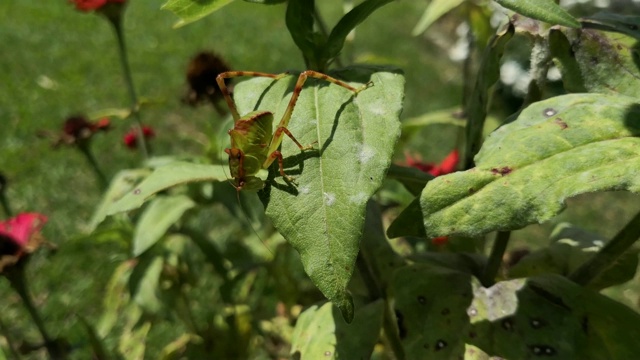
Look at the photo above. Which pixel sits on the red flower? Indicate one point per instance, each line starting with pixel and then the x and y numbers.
pixel 19 236
pixel 440 240
pixel 448 165
pixel 131 140
pixel 91 5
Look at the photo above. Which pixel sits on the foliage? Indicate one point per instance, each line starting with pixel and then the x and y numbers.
pixel 343 254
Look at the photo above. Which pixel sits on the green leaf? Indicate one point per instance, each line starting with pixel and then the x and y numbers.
pixel 192 10
pixel 413 179
pixel 444 314
pixel 349 22
pixel 266 2
pixel 144 283
pixel 121 184
pixel 557 148
pixel 321 332
pixel 165 177
pixel 551 315
pixel 544 10
pixel 177 348
pixel 477 106
pixel 322 217
pixel 565 59
pixel 570 248
pixel 598 61
pixel 98 346
pixel 408 223
pixel 430 305
pixel 115 299
pixel 133 342
pixel 157 218
pixel 624 24
pixel 299 19
pixel 434 11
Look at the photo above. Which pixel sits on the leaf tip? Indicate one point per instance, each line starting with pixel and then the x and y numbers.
pixel 346 307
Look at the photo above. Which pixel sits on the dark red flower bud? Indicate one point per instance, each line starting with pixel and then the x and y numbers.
pixel 78 130
pixel 201 77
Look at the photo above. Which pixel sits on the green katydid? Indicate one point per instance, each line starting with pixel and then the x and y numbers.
pixel 253 144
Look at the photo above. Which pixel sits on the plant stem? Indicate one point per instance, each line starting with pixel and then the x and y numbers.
pixel 5 204
pixel 495 258
pixel 18 281
pixel 124 62
pixel 375 292
pixel 324 30
pixel 88 154
pixel 608 255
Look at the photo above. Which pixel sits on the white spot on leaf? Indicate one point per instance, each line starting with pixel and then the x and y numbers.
pixel 329 198
pixel 366 153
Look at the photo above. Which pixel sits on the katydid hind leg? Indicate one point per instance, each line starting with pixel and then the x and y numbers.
pixel 231 74
pixel 284 121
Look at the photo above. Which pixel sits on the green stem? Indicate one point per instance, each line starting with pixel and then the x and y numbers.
pixel 606 257
pixel 124 62
pixel 88 154
pixel 5 204
pixel 495 258
pixel 324 30
pixel 18 281
pixel 375 292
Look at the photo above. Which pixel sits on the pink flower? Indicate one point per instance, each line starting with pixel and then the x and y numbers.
pixel 91 5
pixel 19 236
pixel 131 140
pixel 448 165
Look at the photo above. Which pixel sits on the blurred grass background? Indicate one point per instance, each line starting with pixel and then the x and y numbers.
pixel 57 62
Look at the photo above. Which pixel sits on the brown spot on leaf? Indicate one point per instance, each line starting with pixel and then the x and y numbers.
pixel 563 125
pixel 505 170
